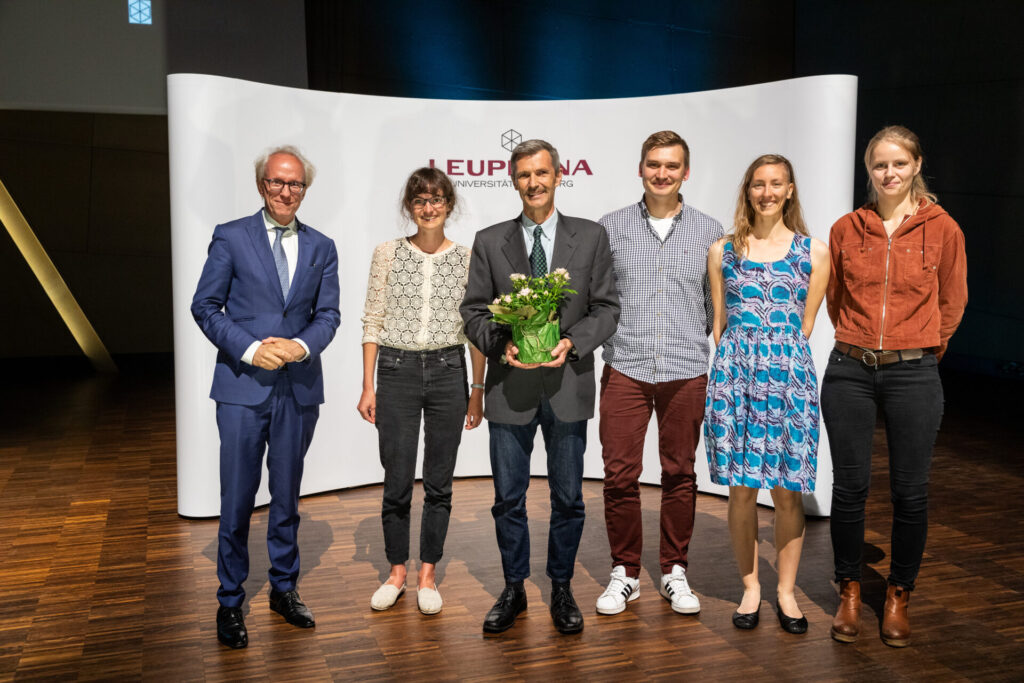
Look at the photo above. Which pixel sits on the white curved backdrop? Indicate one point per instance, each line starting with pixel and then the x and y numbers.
pixel 364 147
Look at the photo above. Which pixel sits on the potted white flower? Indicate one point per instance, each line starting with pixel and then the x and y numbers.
pixel 531 309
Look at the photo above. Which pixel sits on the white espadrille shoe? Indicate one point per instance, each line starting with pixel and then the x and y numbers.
pixel 386 596
pixel 429 600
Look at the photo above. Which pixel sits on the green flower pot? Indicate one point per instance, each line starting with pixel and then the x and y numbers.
pixel 536 341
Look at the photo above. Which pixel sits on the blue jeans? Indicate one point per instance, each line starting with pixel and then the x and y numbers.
pixel 411 384
pixel 909 396
pixel 511 446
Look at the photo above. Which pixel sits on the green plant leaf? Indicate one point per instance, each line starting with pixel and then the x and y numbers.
pixel 539 317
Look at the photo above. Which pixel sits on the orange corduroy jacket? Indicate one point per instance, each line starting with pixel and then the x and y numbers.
pixel 904 292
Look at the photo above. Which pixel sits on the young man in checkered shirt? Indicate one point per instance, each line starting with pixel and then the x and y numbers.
pixel 656 361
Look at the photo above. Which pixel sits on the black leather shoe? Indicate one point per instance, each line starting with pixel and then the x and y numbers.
pixel 231 627
pixel 746 621
pixel 290 606
pixel 510 604
pixel 791 624
pixel 564 612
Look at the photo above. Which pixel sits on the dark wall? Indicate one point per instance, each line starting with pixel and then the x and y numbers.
pixel 256 40
pixel 94 189
pixel 953 72
pixel 542 50
pixel 68 55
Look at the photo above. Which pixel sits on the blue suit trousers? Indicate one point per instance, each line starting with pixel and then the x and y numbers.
pixel 283 429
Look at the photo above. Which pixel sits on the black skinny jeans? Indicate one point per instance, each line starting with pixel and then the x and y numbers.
pixel 410 384
pixel 909 395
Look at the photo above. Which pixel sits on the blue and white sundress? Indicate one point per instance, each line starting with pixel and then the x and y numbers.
pixel 761 412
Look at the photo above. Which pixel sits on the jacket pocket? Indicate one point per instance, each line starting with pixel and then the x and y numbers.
pixel 916 268
pixel 863 265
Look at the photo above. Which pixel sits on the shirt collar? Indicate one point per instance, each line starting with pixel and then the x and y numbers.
pixel 270 223
pixel 647 214
pixel 547 227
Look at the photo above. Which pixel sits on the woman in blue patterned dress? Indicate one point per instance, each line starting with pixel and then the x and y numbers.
pixel 761 418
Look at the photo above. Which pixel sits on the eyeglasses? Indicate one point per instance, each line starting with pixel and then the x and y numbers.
pixel 437 202
pixel 275 185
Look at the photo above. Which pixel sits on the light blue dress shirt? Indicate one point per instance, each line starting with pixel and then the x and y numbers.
pixel 547 239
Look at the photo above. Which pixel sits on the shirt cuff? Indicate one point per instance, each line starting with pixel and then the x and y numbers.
pixel 303 345
pixel 250 352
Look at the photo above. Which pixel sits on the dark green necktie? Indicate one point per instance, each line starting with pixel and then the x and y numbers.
pixel 538 262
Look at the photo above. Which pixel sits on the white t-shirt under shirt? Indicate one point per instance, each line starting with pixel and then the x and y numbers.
pixel 661 225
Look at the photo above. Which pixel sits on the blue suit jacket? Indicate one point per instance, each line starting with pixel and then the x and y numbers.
pixel 238 301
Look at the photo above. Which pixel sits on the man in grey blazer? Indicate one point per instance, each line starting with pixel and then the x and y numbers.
pixel 557 396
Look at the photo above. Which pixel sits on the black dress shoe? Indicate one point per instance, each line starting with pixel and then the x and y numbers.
pixel 510 603
pixel 231 627
pixel 746 621
pixel 564 612
pixel 290 606
pixel 791 624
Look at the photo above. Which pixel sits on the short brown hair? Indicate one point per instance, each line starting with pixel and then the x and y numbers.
pixel 428 181
pixel 665 138
pixel 528 148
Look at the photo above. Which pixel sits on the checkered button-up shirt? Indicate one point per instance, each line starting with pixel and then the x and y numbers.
pixel 664 292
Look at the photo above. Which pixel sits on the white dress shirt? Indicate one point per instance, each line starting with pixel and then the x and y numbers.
pixel 290 244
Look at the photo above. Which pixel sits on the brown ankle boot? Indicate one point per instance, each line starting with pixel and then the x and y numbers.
pixel 846 624
pixel 895 620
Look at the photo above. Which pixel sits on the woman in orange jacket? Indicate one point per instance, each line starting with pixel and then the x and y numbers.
pixel 896 295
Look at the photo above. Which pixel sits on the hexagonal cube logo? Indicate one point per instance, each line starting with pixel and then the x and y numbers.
pixel 510 138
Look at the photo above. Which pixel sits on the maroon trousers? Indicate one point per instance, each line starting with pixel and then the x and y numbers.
pixel 626 406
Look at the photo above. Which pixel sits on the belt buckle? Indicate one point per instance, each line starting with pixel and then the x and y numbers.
pixel 873 362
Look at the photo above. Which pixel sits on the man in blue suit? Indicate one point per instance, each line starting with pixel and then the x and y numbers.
pixel 268 300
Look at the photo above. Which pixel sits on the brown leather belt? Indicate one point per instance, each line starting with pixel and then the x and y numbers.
pixel 875 358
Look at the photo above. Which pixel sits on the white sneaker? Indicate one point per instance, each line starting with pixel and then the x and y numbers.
pixel 676 590
pixel 621 589
pixel 428 600
pixel 386 596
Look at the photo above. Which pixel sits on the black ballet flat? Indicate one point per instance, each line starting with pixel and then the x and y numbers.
pixel 746 621
pixel 789 624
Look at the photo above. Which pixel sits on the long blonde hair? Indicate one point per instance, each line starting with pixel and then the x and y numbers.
pixel 908 140
pixel 743 222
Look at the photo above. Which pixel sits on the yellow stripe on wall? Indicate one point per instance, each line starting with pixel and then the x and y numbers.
pixel 74 317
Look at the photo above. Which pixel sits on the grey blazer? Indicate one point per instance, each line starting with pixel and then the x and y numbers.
pixel 588 318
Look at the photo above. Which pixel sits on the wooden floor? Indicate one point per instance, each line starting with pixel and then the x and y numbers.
pixel 101 579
